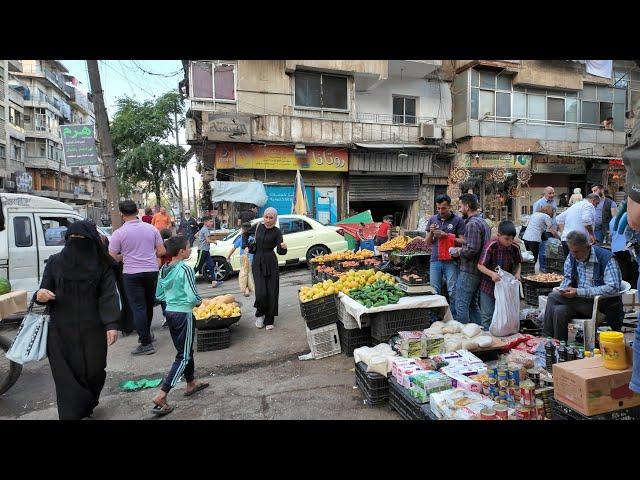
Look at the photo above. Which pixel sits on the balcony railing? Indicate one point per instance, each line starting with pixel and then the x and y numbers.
pixel 54 77
pixel 392 119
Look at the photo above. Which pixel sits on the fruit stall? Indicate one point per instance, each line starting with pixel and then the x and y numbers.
pixel 214 317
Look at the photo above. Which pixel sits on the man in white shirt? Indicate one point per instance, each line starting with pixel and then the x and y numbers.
pixel 579 217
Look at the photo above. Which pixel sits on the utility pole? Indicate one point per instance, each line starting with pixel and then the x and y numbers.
pixel 102 125
pixel 180 203
pixel 195 202
pixel 186 175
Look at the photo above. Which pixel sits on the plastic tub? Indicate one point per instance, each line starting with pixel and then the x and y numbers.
pixel 614 355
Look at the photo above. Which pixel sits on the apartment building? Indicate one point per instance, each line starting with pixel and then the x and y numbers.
pixel 543 122
pixel 366 134
pixel 50 98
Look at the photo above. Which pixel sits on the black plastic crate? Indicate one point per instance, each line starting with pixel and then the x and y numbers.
pixel 320 312
pixel 531 293
pixel 374 387
pixel 560 411
pixel 427 413
pixel 527 268
pixel 554 265
pixel 402 402
pixel 352 339
pixel 384 325
pixel 208 340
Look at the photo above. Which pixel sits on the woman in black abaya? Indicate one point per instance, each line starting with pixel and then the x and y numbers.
pixel 79 287
pixel 265 267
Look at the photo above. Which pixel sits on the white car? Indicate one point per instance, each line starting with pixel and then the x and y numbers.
pixel 305 238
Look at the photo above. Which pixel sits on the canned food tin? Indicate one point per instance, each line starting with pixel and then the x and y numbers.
pixel 540 410
pixel 514 375
pixel 485 388
pixel 503 375
pixel 502 412
pixel 523 412
pixel 493 373
pixel 503 383
pixel 527 393
pixel 487 414
pixel 534 375
pixel 503 401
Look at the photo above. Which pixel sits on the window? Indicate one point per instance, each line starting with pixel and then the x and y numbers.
pixel 319 90
pixel 22 232
pixel 503 82
pixel 503 104
pixel 3 151
pixel 590 113
pixel 535 107
pixel 620 79
pixel 555 109
pixel 16 151
pixel 571 110
pixel 15 117
pixel 606 111
pixel 486 104
pixel 404 110
pixel 474 103
pixel 54 229
pixel 213 81
pixel 293 225
pixel 520 105
pixel 487 79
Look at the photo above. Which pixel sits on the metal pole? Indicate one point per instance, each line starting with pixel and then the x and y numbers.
pixel 195 199
pixel 104 136
pixel 180 204
pixel 59 174
pixel 186 175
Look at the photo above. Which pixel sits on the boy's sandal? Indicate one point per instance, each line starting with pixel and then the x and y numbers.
pixel 200 386
pixel 161 410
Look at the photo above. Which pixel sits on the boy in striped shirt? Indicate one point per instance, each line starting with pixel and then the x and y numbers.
pixel 177 287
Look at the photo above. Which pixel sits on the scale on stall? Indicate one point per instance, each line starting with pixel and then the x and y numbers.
pixel 412 272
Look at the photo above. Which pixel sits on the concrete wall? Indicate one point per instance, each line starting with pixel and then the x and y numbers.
pixel 263 86
pixel 434 97
pixel 370 67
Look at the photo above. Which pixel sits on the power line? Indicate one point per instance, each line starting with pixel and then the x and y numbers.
pixel 166 75
pixel 125 78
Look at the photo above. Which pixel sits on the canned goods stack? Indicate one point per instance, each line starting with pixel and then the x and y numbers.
pixel 545 395
pixel 503 383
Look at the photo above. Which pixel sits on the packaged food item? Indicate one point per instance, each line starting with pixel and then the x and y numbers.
pixel 464 382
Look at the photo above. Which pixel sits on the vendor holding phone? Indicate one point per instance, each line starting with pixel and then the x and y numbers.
pixel 588 271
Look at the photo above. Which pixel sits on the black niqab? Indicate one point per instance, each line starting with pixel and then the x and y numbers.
pixel 83 258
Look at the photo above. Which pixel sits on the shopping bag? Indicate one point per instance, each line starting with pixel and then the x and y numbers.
pixel 445 242
pixel 506 315
pixel 30 344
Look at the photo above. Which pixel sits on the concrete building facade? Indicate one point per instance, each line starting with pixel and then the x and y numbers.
pixel 365 134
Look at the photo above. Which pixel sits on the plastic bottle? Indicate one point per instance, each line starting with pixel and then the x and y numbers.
pixel 571 353
pixel 613 350
pixel 580 354
pixel 588 354
pixel 549 354
pixel 596 352
pixel 579 337
pixel 562 352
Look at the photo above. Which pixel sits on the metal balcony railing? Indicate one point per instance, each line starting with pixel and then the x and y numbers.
pixel 391 119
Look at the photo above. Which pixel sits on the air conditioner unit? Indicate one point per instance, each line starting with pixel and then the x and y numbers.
pixel 9 183
pixel 430 131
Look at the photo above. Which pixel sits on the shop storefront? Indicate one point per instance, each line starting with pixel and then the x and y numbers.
pixel 497 179
pixel 323 171
pixel 563 173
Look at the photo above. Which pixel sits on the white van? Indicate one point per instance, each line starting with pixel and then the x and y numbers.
pixel 34 230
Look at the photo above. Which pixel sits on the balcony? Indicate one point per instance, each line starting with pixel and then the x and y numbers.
pixel 413 68
pixel 78 99
pixel 56 79
pixel 16 97
pixel 34 161
pixel 15 65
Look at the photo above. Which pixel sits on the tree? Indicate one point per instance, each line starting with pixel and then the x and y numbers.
pixel 140 132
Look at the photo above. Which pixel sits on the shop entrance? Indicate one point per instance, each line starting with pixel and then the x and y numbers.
pixel 398 210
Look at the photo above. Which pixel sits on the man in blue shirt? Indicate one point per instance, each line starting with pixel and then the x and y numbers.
pixel 548 198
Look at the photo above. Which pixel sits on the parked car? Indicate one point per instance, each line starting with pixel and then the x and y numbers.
pixel 305 238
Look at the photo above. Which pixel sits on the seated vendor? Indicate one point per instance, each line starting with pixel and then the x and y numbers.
pixel 588 271
pixel 500 252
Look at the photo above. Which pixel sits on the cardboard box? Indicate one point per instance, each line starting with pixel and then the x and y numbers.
pixel 589 388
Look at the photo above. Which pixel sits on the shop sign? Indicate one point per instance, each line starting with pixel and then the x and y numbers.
pixel 494 160
pixel 561 165
pixel 24 182
pixel 79 145
pixel 228 127
pixel 281 157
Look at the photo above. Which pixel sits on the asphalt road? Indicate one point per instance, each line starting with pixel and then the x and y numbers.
pixel 259 377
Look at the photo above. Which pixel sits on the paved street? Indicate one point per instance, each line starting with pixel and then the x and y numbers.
pixel 258 377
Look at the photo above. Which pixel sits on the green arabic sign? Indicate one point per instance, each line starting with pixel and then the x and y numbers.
pixel 79 145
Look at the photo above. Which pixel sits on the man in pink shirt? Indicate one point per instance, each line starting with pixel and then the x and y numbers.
pixel 138 245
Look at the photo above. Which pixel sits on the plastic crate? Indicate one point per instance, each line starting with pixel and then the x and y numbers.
pixel 527 268
pixel 374 387
pixel 349 321
pixel 560 411
pixel 554 265
pixel 320 312
pixel 352 339
pixel 532 292
pixel 324 341
pixel 427 413
pixel 208 340
pixel 384 325
pixel 401 401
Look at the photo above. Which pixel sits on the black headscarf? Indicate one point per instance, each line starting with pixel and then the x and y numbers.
pixel 83 258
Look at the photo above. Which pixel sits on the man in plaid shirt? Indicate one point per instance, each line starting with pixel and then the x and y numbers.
pixel 588 271
pixel 477 233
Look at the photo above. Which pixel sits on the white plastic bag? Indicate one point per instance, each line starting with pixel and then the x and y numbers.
pixel 506 316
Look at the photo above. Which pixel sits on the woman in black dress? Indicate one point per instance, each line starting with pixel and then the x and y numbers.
pixel 265 267
pixel 79 286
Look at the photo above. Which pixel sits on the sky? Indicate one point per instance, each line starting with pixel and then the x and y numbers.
pixel 128 78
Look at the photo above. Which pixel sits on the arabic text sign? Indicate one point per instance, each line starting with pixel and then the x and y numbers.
pixel 570 165
pixel 79 145
pixel 281 157
pixel 492 160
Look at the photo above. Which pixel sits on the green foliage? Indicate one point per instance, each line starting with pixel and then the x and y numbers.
pixel 140 132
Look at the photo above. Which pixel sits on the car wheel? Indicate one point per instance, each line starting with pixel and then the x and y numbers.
pixel 222 269
pixel 316 251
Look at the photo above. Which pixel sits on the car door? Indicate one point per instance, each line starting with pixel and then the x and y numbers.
pixel 51 228
pixel 23 252
pixel 298 235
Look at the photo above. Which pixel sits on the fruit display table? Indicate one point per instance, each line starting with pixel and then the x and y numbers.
pixel 13 302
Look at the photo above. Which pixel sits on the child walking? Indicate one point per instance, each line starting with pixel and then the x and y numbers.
pixel 245 277
pixel 177 287
pixel 166 234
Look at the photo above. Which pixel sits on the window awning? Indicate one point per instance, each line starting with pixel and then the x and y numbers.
pixel 396 146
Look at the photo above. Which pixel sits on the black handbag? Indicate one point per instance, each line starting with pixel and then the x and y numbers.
pixel 545 236
pixel 252 245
